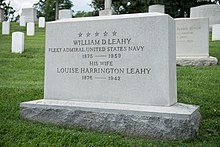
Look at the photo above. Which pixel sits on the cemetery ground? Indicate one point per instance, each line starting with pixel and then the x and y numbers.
pixel 22 79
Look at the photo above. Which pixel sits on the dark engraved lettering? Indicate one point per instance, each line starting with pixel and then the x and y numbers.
pixel 76 49
pixel 100 55
pixel 55 50
pixel 102 70
pixel 138 70
pixel 68 70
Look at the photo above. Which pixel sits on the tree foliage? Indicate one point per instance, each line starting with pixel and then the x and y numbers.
pixel 8 10
pixel 122 6
pixel 175 8
pixel 83 14
pixel 178 8
pixel 46 8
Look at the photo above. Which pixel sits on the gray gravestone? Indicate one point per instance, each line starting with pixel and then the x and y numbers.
pixel 156 8
pixel 216 32
pixel 22 21
pixel 30 14
pixel 192 42
pixel 111 74
pixel 212 11
pixel 65 13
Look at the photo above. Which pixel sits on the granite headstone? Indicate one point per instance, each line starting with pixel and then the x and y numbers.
pixel 192 42
pixel 156 8
pixel 65 13
pixel 216 32
pixel 212 11
pixel 114 73
pixel 30 14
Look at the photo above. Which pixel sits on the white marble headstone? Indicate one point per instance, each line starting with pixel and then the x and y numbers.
pixel 156 8
pixel 5 28
pixel 41 23
pixel 114 60
pixel 212 11
pixel 192 37
pixel 216 32
pixel 65 13
pixel 30 14
pixel 22 21
pixel 17 42
pixel 30 29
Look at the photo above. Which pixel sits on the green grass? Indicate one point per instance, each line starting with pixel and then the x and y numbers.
pixel 21 79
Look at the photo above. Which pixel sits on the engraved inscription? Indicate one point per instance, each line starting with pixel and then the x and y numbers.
pixel 100 51
pixel 184 34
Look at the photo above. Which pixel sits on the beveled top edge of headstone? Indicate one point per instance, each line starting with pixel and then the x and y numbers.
pixel 110 17
pixel 192 18
pixel 216 25
pixel 178 109
pixel 17 32
pixel 30 22
pixel 65 9
pixel 207 5
pixel 28 8
pixel 156 5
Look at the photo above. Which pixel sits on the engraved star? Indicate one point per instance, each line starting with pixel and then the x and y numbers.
pixel 80 34
pixel 96 33
pixel 114 33
pixel 105 33
pixel 88 34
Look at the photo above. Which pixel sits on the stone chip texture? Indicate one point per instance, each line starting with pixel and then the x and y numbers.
pixel 196 61
pixel 149 126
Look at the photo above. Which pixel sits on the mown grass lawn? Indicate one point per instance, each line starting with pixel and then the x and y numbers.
pixel 22 78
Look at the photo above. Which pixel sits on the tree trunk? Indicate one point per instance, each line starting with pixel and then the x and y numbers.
pixel 57 10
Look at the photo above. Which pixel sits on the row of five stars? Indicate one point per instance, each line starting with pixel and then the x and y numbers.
pixel 97 34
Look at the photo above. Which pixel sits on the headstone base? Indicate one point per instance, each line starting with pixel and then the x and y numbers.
pixel 179 121
pixel 196 61
pixel 105 12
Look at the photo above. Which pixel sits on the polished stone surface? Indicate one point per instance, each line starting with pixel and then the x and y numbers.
pixel 112 59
